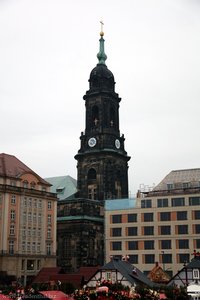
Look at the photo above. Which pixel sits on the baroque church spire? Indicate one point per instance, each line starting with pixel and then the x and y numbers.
pixel 101 55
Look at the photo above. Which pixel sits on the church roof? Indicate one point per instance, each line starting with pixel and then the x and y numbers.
pixel 63 186
pixel 11 166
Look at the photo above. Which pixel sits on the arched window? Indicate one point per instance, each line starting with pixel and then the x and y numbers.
pixel 25 184
pixel 92 175
pixel 92 186
pixel 112 117
pixel 95 116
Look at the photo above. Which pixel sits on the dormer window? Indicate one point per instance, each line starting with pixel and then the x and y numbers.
pixel 25 184
pixel 196 274
pixel 60 190
pixel 32 184
pixel 169 186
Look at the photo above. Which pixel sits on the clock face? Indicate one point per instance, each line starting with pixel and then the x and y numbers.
pixel 117 144
pixel 92 142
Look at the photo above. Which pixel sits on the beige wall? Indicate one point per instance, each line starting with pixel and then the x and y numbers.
pixel 175 265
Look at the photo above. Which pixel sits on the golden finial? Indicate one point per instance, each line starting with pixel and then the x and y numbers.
pixel 101 33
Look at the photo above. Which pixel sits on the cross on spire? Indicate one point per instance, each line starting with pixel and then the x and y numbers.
pixel 101 33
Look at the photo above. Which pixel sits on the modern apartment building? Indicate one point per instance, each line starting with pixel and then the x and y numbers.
pixel 27 221
pixel 160 226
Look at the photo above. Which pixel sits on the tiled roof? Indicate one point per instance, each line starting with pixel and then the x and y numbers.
pixel 178 178
pixel 55 274
pixel 12 167
pixel 130 272
pixel 63 186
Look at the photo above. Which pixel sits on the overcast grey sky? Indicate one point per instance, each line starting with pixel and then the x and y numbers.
pixel 49 47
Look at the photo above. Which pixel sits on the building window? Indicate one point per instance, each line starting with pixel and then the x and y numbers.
pixel 29 217
pixel 49 205
pixel 146 203
pixel 149 258
pixel 30 264
pixel 166 258
pixel 170 186
pixel 132 231
pixel 162 202
pixel 116 218
pixel 183 244
pixel 38 247
pixel 33 247
pixel 25 201
pixel 12 215
pixel 116 246
pixel 149 244
pixel 148 217
pixel 181 215
pixel 38 264
pixel 48 247
pixel 34 232
pixel 34 217
pixel 182 229
pixel 165 244
pixel 165 230
pixel 132 218
pixel 133 259
pixel 23 264
pixel 197 243
pixel 32 185
pixel 178 201
pixel 194 201
pixel 132 245
pixel 197 214
pixel 148 230
pixel 29 231
pixel 28 246
pixel 92 191
pixel 116 232
pixel 13 199
pixel 40 203
pixel 195 274
pixel 12 229
pixel 183 257
pixel 11 247
pixel 165 216
pixel 39 218
pixel 24 217
pixel 49 219
pixel 23 246
pixel 25 184
pixel 30 202
pixel 49 233
pixel 35 203
pixel 197 228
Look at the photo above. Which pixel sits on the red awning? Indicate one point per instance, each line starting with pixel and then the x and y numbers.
pixel 4 297
pixel 55 295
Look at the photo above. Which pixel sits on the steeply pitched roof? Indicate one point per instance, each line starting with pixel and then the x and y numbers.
pixel 130 272
pixel 179 177
pixel 63 186
pixel 12 167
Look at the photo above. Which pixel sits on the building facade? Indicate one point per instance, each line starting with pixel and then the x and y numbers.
pixel 80 234
pixel 162 225
pixel 27 221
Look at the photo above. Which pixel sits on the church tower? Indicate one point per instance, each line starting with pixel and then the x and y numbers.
pixel 102 162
